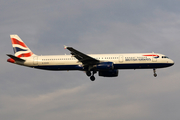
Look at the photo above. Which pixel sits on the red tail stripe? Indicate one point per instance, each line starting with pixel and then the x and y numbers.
pixel 15 41
pixel 25 55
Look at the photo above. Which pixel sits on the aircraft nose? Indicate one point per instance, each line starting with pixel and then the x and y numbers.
pixel 171 62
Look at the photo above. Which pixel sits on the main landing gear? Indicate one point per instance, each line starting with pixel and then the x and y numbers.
pixel 92 78
pixel 155 74
pixel 88 73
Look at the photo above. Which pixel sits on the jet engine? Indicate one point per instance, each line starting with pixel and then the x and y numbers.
pixel 109 73
pixel 104 66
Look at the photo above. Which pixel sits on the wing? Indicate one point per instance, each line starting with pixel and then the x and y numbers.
pixel 85 59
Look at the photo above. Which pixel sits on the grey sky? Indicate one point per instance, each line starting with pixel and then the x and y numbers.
pixel 91 26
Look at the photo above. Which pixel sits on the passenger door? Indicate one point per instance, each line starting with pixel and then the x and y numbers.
pixel 154 59
pixel 121 58
pixel 35 61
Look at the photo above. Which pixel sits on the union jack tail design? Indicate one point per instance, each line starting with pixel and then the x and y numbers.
pixel 19 47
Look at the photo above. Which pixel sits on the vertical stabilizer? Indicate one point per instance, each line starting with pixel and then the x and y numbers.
pixel 20 48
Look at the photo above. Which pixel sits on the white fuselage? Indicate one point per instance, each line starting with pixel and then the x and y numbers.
pixel 120 61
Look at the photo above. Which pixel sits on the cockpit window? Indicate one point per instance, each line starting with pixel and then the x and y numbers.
pixel 164 57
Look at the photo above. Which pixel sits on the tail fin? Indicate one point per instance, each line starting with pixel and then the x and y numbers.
pixel 20 48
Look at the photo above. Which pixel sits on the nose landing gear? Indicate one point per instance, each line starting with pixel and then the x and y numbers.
pixel 155 74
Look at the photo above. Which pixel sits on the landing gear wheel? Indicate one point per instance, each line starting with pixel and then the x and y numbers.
pixel 92 78
pixel 88 73
pixel 154 70
pixel 155 75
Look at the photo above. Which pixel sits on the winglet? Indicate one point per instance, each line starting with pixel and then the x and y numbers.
pixel 65 47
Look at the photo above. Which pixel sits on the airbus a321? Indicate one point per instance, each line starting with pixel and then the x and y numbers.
pixel 107 65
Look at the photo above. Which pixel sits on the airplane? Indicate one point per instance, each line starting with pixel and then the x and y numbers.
pixel 107 65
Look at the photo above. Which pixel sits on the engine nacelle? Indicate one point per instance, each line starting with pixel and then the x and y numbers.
pixel 104 66
pixel 109 73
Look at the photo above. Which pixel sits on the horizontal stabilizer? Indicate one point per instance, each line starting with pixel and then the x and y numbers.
pixel 15 58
